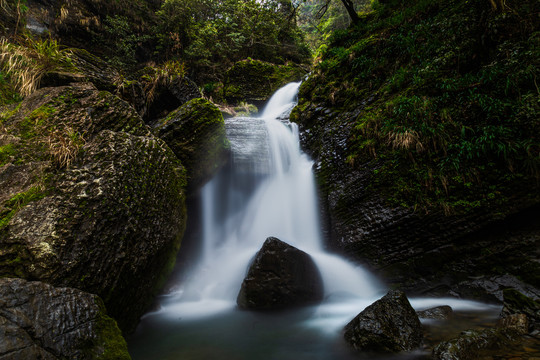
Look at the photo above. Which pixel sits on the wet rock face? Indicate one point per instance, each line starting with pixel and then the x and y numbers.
pixel 388 325
pixel 280 276
pixel 196 134
pixel 109 221
pixel 168 96
pixel 39 321
pixel 433 253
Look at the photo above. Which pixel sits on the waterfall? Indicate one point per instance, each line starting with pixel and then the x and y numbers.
pixel 268 190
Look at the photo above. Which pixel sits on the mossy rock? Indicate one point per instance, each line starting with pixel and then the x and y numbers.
pixel 254 81
pixel 196 134
pixel 90 199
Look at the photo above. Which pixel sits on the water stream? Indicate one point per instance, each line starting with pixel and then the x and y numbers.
pixel 267 190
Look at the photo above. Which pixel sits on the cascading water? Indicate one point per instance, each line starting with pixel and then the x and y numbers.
pixel 267 190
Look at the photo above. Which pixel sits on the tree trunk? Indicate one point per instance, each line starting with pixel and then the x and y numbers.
pixel 349 5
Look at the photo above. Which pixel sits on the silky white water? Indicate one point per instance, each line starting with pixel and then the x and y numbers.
pixel 268 190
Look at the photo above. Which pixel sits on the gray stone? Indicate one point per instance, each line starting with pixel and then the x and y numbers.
pixel 110 220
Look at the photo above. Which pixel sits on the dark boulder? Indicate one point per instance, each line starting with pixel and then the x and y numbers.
pixel 388 325
pixel 92 199
pixel 39 321
pixel 196 134
pixel 440 313
pixel 280 276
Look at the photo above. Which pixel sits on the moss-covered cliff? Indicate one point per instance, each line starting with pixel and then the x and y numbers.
pixel 423 119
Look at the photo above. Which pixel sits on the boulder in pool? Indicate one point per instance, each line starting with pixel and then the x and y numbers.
pixel 389 325
pixel 281 276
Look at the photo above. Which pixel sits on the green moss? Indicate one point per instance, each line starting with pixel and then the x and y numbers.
pixel 518 301
pixel 18 201
pixel 7 153
pixel 34 124
pixel 109 338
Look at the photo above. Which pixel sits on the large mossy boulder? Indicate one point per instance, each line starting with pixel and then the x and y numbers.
pixel 90 199
pixel 196 134
pixel 40 321
pixel 388 325
pixel 281 276
pixel 254 81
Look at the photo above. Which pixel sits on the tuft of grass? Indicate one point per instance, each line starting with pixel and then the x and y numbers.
pixel 64 145
pixel 26 64
pixel 162 75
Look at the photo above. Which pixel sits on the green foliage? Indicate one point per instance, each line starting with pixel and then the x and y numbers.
pixel 211 35
pixel 125 40
pixel 454 108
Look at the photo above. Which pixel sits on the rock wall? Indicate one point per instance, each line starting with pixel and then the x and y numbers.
pixel 381 123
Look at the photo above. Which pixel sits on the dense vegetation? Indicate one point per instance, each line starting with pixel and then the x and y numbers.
pixel 445 99
pixel 204 38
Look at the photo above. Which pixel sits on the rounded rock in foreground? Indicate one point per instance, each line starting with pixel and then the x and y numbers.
pixel 390 324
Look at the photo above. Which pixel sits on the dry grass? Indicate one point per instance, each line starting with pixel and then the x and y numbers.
pixel 406 140
pixel 64 145
pixel 162 75
pixel 26 65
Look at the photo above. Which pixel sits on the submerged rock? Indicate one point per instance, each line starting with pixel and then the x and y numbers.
pixel 470 344
pixel 280 276
pixel 93 200
pixel 196 134
pixel 39 321
pixel 388 325
pixel 440 313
